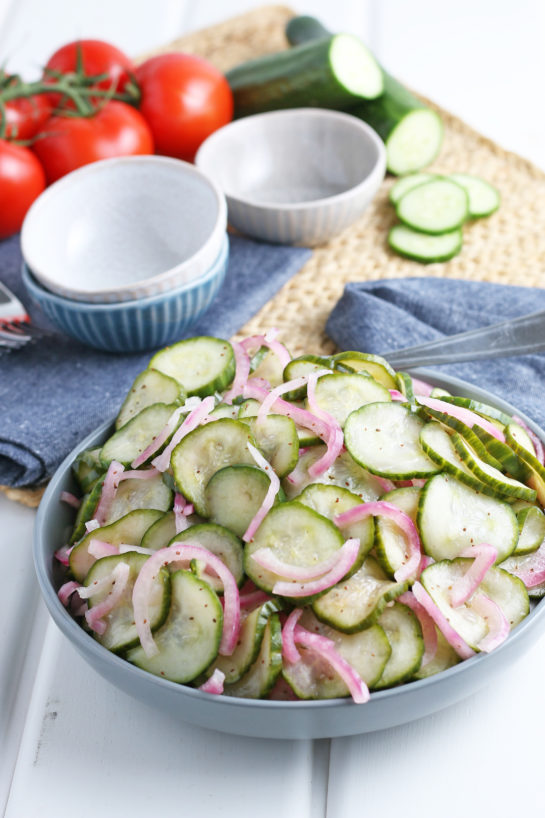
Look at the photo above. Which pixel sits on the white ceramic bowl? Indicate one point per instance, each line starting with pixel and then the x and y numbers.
pixel 265 718
pixel 295 177
pixel 125 229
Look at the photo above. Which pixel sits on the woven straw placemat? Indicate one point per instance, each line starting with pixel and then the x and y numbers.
pixel 508 248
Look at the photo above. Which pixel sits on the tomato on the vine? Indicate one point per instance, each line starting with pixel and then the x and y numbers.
pixel 26 116
pixel 69 142
pixel 22 179
pixel 97 57
pixel 184 99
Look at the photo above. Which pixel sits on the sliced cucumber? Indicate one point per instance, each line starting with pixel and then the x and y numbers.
pixel 434 207
pixel 531 522
pixel 129 530
pixel 160 533
pixel 206 450
pixel 313 677
pixel 505 455
pixel 405 385
pixel 356 603
pixel 150 387
pixel 487 474
pixel 405 637
pixel 136 435
pixel 489 412
pixel 424 247
pixel 445 657
pixel 519 441
pixel 86 511
pixel 248 409
pixel 203 365
pixel 258 681
pixel 189 639
pixel 483 198
pixel 514 433
pixel 506 590
pixel 439 445
pixel 120 633
pixel 453 517
pixel 219 541
pixel 407 183
pixel 225 410
pixel 303 365
pixel 234 495
pixel 391 545
pixel 344 472
pixel 276 437
pixel 467 433
pixel 384 438
pixel 152 493
pixel 374 365
pixel 297 535
pixel 340 394
pixel 266 364
pixel 87 468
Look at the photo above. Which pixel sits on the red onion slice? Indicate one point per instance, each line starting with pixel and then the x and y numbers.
pixel 268 340
pixel 335 438
pixel 533 572
pixel 62 554
pixel 402 520
pixel 65 591
pixel 268 560
pixel 180 520
pixel 214 684
pixel 268 500
pixel 346 557
pixel 453 637
pixel 289 649
pixel 100 548
pixel 118 579
pixel 253 599
pixel 483 556
pixel 158 441
pixel 395 394
pixel 242 372
pixel 427 626
pixel 498 625
pixel 422 387
pixel 326 648
pixel 109 488
pixel 461 413
pixel 193 419
pixel 70 499
pixel 139 474
pixel 538 445
pixel 91 525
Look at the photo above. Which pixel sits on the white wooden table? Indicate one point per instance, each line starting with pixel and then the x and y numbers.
pixel 69 741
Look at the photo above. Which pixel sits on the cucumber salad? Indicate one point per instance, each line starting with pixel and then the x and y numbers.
pixel 263 526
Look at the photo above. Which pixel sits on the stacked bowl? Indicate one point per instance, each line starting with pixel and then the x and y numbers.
pixel 126 254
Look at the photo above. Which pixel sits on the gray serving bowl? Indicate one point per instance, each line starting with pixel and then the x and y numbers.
pixel 262 718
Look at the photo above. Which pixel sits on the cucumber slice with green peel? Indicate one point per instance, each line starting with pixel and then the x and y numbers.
pixel 203 365
pixel 86 511
pixel 384 438
pixel 189 639
pixel 434 207
pixel 357 602
pixel 405 637
pixel 405 386
pixel 87 468
pixel 234 495
pixel 439 445
pixel 150 387
pixel 313 677
pixel 531 522
pixel 248 408
pixel 252 632
pixel 331 500
pixel 506 590
pixel 276 437
pixel 296 535
pixel 375 366
pixel 129 530
pixel 424 247
pixel 484 199
pixel 344 472
pixel 504 454
pixel 136 435
pixel 407 183
pixel 225 410
pixel 206 450
pixel 437 392
pixel 219 541
pixel 120 633
pixel 334 72
pixel 518 440
pixel 490 476
pixel 340 394
pixel 268 367
pixel 391 546
pixel 484 409
pixel 469 434
pixel 152 493
pixel 516 434
pixel 445 657
pixel 452 517
pixel 303 365
pixel 160 533
pixel 259 679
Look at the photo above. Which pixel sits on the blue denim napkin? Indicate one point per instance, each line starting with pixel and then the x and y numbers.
pixel 380 316
pixel 56 391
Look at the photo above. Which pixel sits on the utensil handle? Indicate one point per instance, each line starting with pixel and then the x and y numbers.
pixel 517 336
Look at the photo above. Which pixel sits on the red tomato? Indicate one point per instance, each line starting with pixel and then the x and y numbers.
pixel 22 179
pixel 70 142
pixel 184 99
pixel 97 57
pixel 26 116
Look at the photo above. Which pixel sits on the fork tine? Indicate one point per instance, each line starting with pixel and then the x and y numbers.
pixel 12 341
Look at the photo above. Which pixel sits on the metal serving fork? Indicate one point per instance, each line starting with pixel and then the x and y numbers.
pixel 517 336
pixel 15 327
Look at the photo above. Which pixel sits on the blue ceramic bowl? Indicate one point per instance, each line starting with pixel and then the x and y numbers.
pixel 328 718
pixel 132 326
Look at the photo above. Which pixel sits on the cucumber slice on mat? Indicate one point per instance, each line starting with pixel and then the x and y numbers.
pixel 340 394
pixel 258 681
pixel 484 199
pixel 453 517
pixel 234 495
pixel 203 365
pixel 219 541
pixel 407 183
pixel 120 633
pixel 189 639
pixel 424 247
pixel 150 387
pixel 405 637
pixel 435 207
pixel 131 439
pixel 384 438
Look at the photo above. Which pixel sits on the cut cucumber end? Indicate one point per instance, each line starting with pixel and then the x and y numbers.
pixel 415 142
pixel 354 67
pixel 424 247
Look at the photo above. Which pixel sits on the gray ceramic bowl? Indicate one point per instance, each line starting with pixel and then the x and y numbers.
pixel 262 718
pixel 295 177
